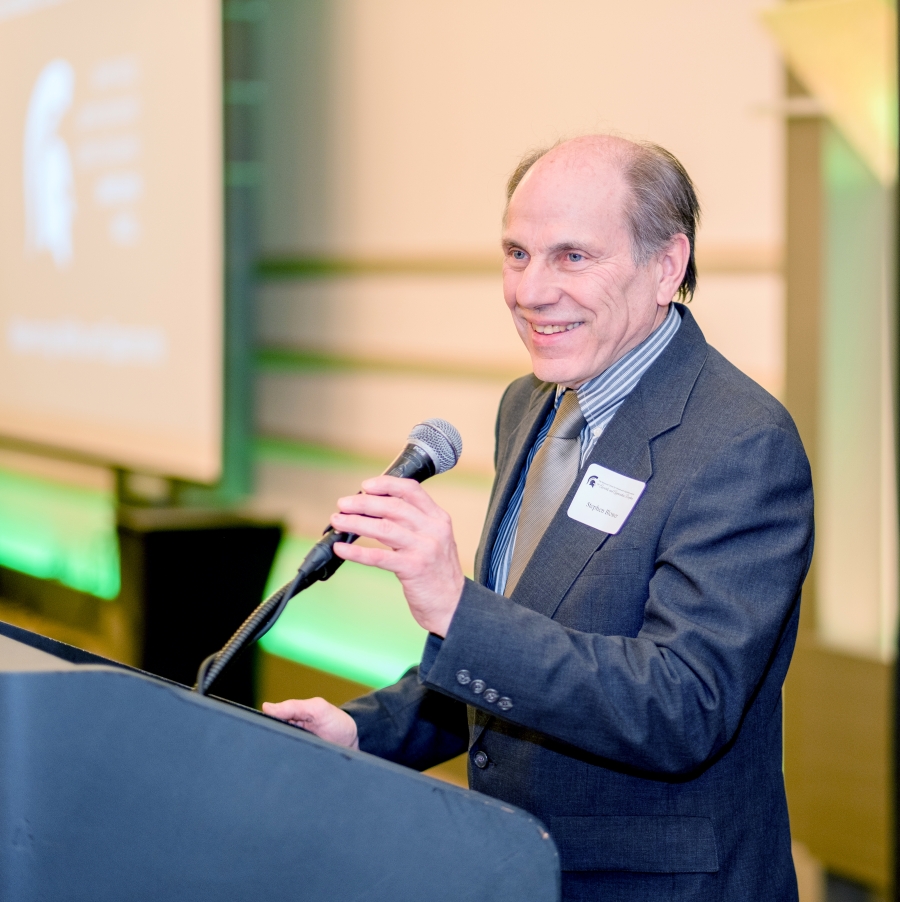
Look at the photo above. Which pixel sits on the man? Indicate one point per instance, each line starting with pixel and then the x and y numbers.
pixel 616 669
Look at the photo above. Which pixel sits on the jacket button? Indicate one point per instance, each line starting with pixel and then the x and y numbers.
pixel 478 686
pixel 481 760
pixel 463 677
pixel 504 704
pixel 491 695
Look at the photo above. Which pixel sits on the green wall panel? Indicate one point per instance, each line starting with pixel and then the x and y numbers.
pixel 356 625
pixel 55 531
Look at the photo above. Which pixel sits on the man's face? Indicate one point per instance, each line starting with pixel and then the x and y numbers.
pixel 578 300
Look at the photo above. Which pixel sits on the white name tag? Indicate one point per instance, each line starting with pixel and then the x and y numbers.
pixel 605 499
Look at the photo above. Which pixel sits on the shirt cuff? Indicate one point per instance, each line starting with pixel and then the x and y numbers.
pixel 432 646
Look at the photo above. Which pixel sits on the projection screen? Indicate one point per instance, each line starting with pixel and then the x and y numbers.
pixel 111 247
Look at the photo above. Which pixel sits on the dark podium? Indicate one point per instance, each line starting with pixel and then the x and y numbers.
pixel 118 785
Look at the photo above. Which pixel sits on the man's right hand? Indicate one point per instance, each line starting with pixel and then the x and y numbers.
pixel 317 716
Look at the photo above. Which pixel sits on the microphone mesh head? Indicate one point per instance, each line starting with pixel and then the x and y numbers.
pixel 440 440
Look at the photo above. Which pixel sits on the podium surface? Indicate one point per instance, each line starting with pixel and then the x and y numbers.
pixel 118 785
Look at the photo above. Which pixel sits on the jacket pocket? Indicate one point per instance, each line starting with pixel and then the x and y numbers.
pixel 648 844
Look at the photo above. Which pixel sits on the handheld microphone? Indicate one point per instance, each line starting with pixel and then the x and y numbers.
pixel 433 447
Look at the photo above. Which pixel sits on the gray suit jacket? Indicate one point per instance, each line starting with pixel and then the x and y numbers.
pixel 644 668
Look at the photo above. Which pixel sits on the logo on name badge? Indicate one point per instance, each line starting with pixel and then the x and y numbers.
pixel 605 499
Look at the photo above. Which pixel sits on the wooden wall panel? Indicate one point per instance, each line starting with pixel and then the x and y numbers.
pixel 371 413
pixel 838 752
pixel 431 321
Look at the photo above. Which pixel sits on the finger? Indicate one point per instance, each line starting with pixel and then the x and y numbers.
pixel 279 708
pixel 407 489
pixel 428 517
pixel 382 558
pixel 293 710
pixel 389 532
pixel 384 507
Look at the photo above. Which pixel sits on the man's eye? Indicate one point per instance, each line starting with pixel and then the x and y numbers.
pixel 517 254
pixel 574 257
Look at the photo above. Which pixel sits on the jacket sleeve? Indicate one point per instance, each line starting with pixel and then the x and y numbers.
pixel 730 561
pixel 410 724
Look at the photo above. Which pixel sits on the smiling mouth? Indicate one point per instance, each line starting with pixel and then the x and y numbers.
pixel 551 330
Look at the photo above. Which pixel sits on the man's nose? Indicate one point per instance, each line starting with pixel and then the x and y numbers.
pixel 536 286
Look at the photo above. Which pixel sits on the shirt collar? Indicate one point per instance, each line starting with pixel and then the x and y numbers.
pixel 600 397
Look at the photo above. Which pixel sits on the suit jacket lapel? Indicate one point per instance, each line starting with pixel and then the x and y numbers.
pixel 655 406
pixel 511 459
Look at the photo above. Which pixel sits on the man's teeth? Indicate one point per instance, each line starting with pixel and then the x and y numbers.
pixel 549 330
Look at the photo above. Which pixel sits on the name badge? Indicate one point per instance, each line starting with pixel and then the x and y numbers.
pixel 605 499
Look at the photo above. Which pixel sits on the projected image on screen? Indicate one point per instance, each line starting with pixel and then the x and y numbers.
pixel 110 230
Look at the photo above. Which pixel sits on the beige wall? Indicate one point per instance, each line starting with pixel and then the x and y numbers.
pixel 414 113
pixel 391 128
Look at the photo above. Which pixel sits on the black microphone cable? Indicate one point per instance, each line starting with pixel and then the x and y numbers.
pixel 433 447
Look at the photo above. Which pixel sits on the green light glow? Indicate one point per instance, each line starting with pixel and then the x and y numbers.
pixel 356 625
pixel 60 532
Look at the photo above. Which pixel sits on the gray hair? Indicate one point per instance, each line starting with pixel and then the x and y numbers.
pixel 663 202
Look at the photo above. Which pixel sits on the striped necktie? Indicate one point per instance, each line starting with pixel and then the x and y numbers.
pixel 550 477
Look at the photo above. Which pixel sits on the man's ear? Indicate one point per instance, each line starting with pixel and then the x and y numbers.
pixel 673 261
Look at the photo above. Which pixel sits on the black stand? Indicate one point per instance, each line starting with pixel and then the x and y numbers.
pixel 192 576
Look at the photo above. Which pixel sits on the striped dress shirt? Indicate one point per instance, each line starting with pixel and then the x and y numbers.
pixel 599 400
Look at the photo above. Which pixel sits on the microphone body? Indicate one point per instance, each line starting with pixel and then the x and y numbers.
pixel 413 462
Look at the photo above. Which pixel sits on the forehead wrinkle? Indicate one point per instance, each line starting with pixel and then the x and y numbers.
pixel 562 244
pixel 585 242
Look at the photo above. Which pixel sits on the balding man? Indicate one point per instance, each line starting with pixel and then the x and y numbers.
pixel 617 667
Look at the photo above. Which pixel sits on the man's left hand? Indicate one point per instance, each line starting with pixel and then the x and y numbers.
pixel 421 548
